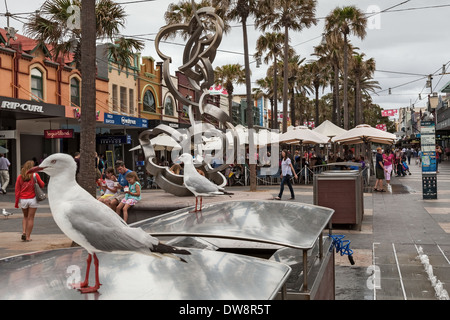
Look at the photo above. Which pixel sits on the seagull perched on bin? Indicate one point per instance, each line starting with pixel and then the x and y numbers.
pixel 199 185
pixel 92 224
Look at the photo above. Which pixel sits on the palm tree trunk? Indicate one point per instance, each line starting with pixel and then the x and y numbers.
pixel 275 95
pixel 230 107
pixel 316 102
pixel 292 105
pixel 88 119
pixel 337 109
pixel 346 113
pixel 249 106
pixel 285 77
pixel 359 119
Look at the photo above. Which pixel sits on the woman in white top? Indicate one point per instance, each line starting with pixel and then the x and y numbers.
pixel 286 174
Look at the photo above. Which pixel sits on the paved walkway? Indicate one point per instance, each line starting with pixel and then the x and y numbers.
pixel 401 252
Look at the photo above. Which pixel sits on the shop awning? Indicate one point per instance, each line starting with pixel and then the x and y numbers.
pixel 19 109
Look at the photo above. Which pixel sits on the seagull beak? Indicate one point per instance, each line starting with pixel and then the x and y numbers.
pixel 35 169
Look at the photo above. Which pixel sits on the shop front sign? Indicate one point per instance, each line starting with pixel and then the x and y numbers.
pixel 125 121
pixel 58 134
pixel 33 107
pixel 126 139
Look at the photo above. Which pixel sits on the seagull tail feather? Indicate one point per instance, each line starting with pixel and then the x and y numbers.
pixel 169 251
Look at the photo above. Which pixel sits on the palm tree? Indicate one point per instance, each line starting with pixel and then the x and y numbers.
pixel 361 73
pixel 328 52
pixel 342 22
pixel 100 20
pixel 87 134
pixel 286 15
pixel 296 80
pixel 226 76
pixel 51 27
pixel 271 43
pixel 182 12
pixel 241 10
pixel 318 74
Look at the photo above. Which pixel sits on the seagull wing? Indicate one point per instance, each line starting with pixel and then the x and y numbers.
pixel 104 230
pixel 200 185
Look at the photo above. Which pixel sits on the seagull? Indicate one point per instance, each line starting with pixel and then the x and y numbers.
pixel 199 185
pixel 6 213
pixel 92 224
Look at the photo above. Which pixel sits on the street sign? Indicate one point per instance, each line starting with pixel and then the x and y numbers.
pixel 428 147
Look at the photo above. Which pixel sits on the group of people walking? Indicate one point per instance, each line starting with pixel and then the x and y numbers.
pixel 387 164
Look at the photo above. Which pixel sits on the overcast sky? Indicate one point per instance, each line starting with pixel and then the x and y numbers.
pixel 412 37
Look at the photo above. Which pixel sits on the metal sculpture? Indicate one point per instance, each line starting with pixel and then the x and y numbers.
pixel 205 30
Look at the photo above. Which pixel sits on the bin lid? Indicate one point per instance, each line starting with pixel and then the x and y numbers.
pixel 206 275
pixel 290 224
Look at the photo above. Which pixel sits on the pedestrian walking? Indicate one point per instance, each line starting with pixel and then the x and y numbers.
pixel 438 157
pixel 379 169
pixel 4 172
pixel 132 194
pixel 26 198
pixel 388 160
pixel 286 174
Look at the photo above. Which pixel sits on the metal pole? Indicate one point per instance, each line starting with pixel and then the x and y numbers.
pixel 305 270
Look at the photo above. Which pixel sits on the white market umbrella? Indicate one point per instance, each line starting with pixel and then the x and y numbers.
pixel 329 129
pixel 161 142
pixel 303 135
pixel 364 133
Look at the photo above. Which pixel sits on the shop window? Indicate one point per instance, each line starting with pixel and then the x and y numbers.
pixel 75 98
pixel 168 106
pixel 131 100
pixel 123 100
pixel 185 113
pixel 37 84
pixel 149 102
pixel 115 100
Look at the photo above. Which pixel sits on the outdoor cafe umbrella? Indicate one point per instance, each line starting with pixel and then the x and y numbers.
pixel 364 133
pixel 329 129
pixel 3 150
pixel 302 135
pixel 162 142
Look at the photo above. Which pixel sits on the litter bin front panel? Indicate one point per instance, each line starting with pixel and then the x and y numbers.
pixel 339 195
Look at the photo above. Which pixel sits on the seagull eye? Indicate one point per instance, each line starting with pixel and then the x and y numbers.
pixel 53 161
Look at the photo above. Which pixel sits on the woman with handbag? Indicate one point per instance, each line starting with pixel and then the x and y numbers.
pixel 26 197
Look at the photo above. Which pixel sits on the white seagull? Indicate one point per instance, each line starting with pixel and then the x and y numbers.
pixel 90 223
pixel 6 213
pixel 198 184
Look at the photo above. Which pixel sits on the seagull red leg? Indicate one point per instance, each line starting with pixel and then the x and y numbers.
pixel 196 203
pixel 97 281
pixel 85 283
